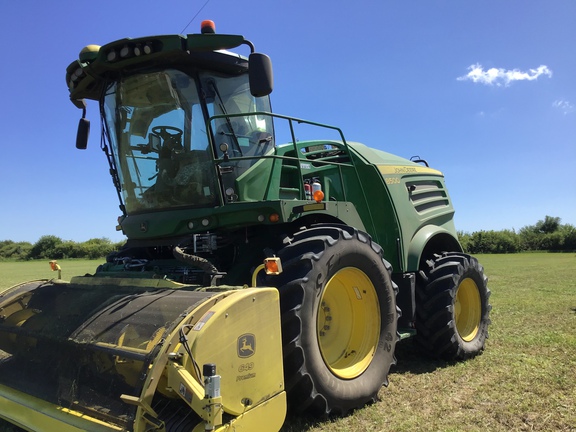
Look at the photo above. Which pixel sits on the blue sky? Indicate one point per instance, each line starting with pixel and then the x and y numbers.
pixel 485 91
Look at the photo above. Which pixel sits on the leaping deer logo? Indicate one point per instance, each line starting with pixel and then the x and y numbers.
pixel 246 345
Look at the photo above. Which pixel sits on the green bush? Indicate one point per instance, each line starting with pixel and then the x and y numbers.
pixel 546 235
pixel 46 248
pixel 68 249
pixel 569 233
pixel 13 250
pixel 96 248
pixel 505 241
pixel 52 247
pixel 465 240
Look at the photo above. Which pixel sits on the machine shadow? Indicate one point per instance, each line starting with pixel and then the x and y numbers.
pixel 410 360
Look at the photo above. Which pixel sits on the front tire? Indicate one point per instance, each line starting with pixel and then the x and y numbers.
pixel 452 311
pixel 339 319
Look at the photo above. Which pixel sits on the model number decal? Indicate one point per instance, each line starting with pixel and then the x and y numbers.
pixel 392 180
pixel 245 367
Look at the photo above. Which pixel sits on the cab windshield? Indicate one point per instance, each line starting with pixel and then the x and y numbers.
pixel 161 148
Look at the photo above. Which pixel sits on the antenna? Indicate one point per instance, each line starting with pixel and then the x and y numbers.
pixel 194 17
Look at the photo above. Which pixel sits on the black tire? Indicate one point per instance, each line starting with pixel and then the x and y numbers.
pixel 339 319
pixel 452 309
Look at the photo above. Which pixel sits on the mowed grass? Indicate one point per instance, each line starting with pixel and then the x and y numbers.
pixel 524 381
pixel 15 272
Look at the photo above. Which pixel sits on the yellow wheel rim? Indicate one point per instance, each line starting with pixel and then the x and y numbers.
pixel 348 323
pixel 467 309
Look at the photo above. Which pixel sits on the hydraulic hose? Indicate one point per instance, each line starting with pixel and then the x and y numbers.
pixel 194 260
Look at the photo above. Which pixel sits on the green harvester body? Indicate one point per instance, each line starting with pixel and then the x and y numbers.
pixel 266 263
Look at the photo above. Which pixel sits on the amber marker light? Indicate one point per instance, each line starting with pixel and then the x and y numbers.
pixel 274 217
pixel 273 266
pixel 54 266
pixel 318 196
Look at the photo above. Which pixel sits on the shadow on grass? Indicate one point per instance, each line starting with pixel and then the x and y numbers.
pixel 295 423
pixel 410 360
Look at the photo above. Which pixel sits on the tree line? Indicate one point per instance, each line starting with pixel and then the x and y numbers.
pixel 548 234
pixel 52 247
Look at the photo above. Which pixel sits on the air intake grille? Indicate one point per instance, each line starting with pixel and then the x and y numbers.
pixel 427 195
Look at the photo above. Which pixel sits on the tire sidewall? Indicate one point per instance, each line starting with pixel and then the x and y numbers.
pixel 360 256
pixel 437 334
pixel 476 345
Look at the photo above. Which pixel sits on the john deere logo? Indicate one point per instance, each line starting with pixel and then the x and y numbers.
pixel 246 345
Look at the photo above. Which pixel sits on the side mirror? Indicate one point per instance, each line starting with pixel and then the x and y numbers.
pixel 83 133
pixel 83 126
pixel 260 75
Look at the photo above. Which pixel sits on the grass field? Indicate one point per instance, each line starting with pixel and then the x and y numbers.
pixel 524 381
pixel 14 272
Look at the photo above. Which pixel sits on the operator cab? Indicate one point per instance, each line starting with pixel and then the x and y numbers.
pixel 164 152
pixel 183 117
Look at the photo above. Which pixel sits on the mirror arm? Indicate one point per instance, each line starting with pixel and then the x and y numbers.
pixel 250 44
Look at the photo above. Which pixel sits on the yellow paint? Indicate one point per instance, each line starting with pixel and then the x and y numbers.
pixel 312 207
pixel 348 323
pixel 267 416
pixel 407 170
pixel 35 414
pixel 248 318
pixel 242 337
pixel 467 309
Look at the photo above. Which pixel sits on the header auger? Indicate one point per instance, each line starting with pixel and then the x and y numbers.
pixel 267 260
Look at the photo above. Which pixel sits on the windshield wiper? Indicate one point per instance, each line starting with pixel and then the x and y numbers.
pixel 232 133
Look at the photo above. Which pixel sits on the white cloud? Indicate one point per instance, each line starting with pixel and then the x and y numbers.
pixel 490 115
pixel 502 77
pixel 563 105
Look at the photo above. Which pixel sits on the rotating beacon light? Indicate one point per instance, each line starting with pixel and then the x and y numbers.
pixel 207 27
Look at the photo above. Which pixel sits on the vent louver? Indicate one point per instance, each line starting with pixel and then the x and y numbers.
pixel 427 195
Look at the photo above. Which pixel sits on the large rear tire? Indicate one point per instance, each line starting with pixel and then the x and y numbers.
pixel 339 319
pixel 452 311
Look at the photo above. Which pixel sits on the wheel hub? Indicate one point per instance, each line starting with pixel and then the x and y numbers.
pixel 467 309
pixel 348 323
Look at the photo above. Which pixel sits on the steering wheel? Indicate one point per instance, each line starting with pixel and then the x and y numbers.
pixel 167 131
